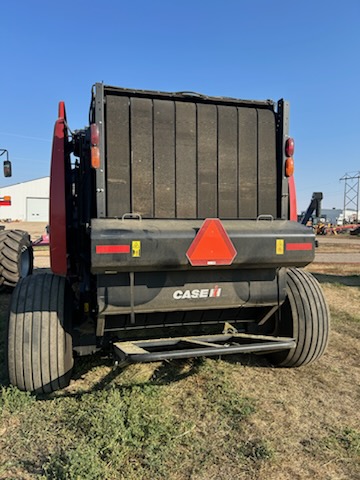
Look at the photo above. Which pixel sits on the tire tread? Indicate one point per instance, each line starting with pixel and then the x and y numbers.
pixel 39 342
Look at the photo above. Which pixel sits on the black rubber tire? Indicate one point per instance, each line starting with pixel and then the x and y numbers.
pixel 304 316
pixel 39 346
pixel 2 238
pixel 16 256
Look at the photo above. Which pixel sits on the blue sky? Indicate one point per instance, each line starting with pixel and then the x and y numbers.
pixel 304 51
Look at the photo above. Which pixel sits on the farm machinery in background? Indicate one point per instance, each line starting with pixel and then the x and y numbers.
pixel 313 213
pixel 16 253
pixel 312 217
pixel 321 225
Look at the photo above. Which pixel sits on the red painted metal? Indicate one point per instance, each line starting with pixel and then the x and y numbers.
pixel 289 147
pixel 299 246
pixel 292 199
pixel 211 246
pixel 58 247
pixel 101 249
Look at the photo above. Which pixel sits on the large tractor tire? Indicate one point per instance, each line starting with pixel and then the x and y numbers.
pixel 305 317
pixel 16 256
pixel 39 346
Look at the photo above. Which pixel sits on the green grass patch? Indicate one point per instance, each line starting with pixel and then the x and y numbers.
pixel 345 441
pixel 13 401
pixel 131 430
pixel 122 429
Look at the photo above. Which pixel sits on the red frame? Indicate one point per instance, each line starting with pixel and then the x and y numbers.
pixel 58 244
pixel 292 199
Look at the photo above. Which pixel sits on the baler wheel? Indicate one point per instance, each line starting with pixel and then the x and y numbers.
pixel 304 316
pixel 39 346
pixel 16 256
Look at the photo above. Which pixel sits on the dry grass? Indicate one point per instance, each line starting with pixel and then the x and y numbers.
pixel 336 269
pixel 336 247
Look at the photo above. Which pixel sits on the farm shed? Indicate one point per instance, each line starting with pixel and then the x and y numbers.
pixel 29 201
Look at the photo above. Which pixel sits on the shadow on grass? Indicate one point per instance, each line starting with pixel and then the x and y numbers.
pixel 168 372
pixel 347 280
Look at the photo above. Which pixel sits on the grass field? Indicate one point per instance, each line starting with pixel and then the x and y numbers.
pixel 229 418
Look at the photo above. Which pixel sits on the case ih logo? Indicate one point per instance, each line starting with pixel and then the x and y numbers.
pixel 197 293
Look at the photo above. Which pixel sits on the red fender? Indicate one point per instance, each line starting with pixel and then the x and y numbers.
pixel 58 246
pixel 292 199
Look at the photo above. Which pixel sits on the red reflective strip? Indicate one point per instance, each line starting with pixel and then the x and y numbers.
pixel 5 203
pixel 292 199
pixel 299 246
pixel 112 249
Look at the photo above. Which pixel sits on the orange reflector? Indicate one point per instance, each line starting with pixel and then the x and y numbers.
pixel 7 198
pixel 289 167
pixel 95 140
pixel 95 157
pixel 211 246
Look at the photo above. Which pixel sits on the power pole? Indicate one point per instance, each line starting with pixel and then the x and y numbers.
pixel 351 192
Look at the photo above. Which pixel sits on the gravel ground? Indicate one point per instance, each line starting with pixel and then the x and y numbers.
pixel 337 257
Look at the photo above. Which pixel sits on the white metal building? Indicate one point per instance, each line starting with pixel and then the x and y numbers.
pixel 29 201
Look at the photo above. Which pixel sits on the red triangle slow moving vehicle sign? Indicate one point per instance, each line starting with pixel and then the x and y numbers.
pixel 211 246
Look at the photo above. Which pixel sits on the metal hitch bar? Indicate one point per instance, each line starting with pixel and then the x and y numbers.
pixel 141 351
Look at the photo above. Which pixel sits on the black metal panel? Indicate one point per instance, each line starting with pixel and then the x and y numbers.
pixel 100 172
pixel 162 244
pixel 118 149
pixel 248 168
pixel 189 290
pixel 171 158
pixel 207 172
pixel 228 162
pixel 282 136
pixel 142 157
pixel 186 160
pixel 164 159
pixel 267 166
